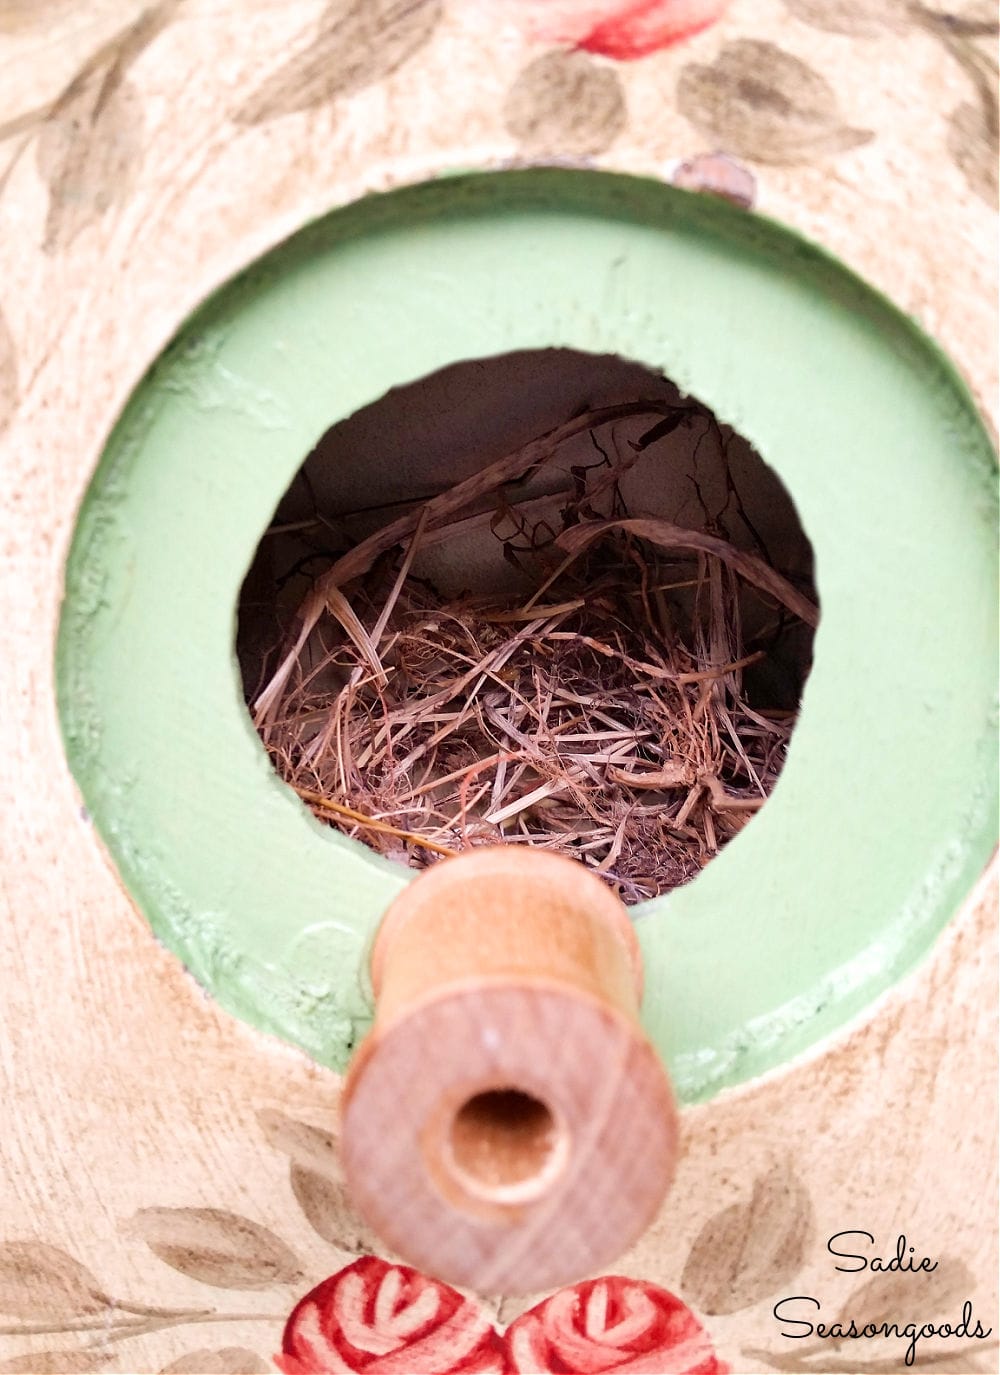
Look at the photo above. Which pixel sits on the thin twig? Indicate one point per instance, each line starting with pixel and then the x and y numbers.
pixel 328 805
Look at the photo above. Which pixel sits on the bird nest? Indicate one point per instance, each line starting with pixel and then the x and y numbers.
pixel 601 711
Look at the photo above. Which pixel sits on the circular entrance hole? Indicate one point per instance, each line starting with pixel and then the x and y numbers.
pixel 542 598
pixel 505 1145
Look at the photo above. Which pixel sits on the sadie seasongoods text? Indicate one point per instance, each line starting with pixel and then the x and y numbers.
pixel 796 1314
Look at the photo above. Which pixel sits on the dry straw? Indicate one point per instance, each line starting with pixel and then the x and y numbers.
pixel 600 713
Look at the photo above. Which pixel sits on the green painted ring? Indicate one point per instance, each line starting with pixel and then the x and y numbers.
pixel 884 814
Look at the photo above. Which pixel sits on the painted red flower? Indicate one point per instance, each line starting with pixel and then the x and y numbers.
pixel 622 29
pixel 388 1320
pixel 611 1324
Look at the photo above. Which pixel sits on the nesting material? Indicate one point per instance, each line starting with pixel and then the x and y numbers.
pixel 602 711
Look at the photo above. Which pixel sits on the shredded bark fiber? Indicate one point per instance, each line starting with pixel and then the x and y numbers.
pixel 600 713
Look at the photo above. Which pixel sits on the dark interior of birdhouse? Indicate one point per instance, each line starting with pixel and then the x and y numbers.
pixel 541 599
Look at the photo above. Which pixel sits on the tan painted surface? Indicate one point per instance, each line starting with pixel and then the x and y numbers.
pixel 174 159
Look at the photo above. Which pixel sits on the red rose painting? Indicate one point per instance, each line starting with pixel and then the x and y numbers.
pixel 611 1324
pixel 384 1319
pixel 388 1320
pixel 623 29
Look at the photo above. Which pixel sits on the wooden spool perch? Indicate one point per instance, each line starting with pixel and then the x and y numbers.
pixel 507 1125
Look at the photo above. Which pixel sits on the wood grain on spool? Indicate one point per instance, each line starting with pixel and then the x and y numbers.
pixel 507 1125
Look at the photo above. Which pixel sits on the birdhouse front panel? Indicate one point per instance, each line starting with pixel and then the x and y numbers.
pixel 451 449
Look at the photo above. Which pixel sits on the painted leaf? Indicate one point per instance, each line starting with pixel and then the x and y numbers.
pixel 57 1363
pixel 974 148
pixel 217 1247
pixel 328 1212
pixel 359 42
pixel 974 1361
pixel 857 18
pixel 317 1181
pixel 228 1360
pixel 42 1282
pixel 8 375
pixel 761 102
pixel 310 1147
pixel 90 148
pixel 962 1361
pixel 781 1361
pixel 906 1297
pixel 968 33
pixel 748 1250
pixel 974 19
pixel 89 154
pixel 565 103
pixel 969 1362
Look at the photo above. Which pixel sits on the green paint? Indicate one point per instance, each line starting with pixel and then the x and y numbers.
pixel 884 814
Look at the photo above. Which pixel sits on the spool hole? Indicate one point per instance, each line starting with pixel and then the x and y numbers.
pixel 505 1144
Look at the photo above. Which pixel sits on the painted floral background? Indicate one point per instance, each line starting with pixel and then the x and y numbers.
pixel 372 1315
pixel 753 104
pixel 377 1316
pixel 756 99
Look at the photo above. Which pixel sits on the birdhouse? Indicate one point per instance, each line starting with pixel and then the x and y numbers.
pixel 500 686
